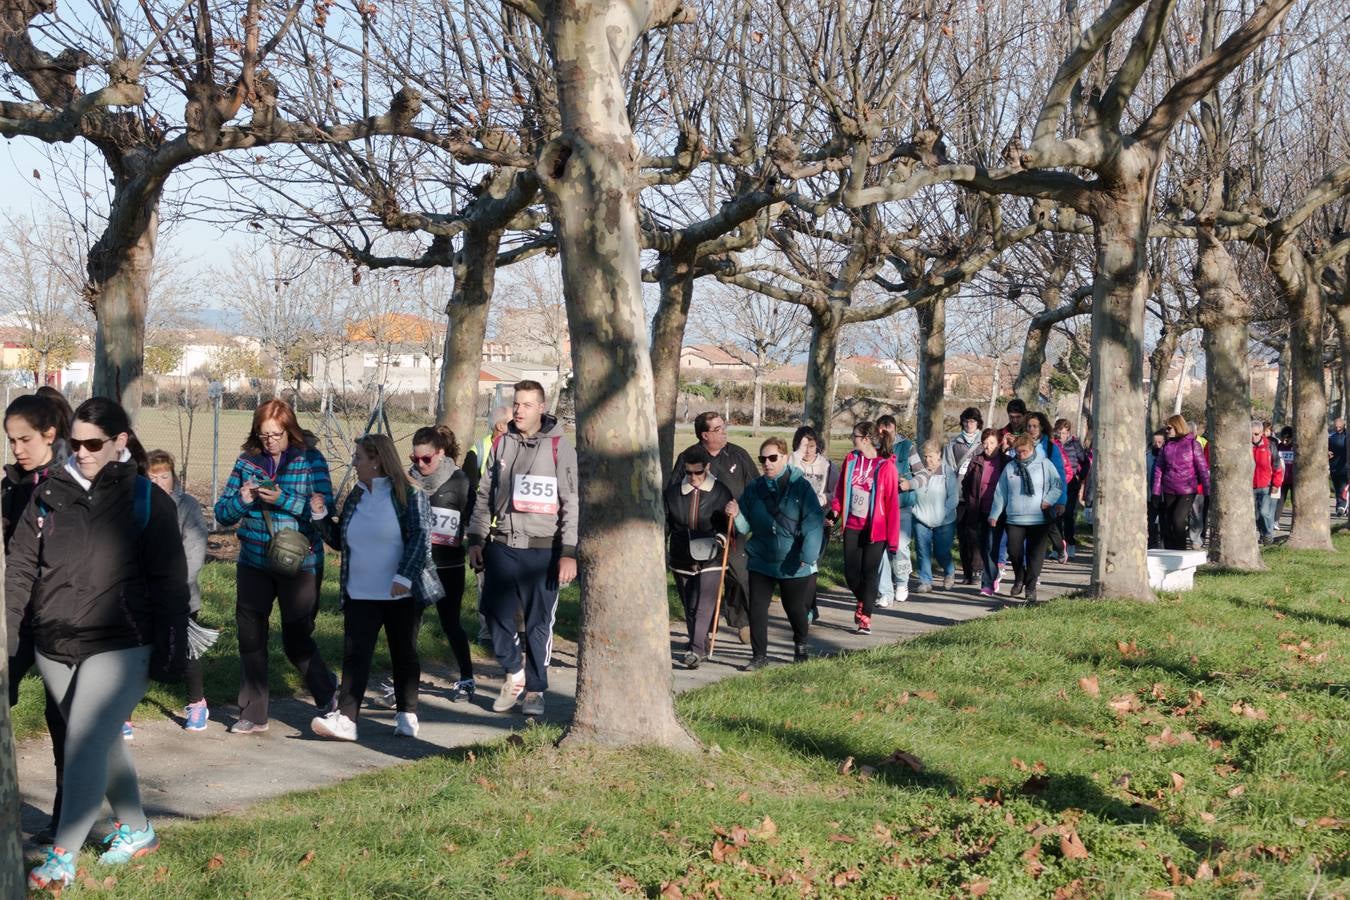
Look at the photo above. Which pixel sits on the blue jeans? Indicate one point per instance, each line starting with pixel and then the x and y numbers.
pixel 930 542
pixel 1261 500
pixel 991 538
pixel 895 569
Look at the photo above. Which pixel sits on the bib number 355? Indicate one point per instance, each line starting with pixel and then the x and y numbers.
pixel 535 494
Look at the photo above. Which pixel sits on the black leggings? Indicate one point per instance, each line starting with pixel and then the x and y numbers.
pixel 448 610
pixel 297 596
pixel 362 620
pixel 797 594
pixel 1026 549
pixel 1068 523
pixel 862 568
pixel 1175 520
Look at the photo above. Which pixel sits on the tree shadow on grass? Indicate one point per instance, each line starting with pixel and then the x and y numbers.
pixel 1303 615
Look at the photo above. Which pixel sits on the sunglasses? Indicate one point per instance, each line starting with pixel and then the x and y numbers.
pixel 93 445
pixel 772 457
pixel 424 460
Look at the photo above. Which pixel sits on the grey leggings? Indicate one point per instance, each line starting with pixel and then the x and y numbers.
pixel 96 696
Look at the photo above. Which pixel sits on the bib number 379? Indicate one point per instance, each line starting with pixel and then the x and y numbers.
pixel 535 494
pixel 444 527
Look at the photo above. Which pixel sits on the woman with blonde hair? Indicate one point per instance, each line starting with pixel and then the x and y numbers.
pixel 387 578
pixel 1178 474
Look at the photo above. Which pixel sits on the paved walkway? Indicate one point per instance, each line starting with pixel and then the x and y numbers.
pixel 190 776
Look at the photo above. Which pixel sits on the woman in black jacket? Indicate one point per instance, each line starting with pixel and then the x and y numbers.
pixel 697 521
pixel 109 608
pixel 450 492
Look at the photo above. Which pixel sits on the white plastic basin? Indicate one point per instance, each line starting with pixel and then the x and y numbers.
pixel 1174 570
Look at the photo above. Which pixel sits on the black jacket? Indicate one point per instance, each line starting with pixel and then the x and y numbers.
pixel 711 521
pixel 17 489
pixel 454 493
pixel 91 579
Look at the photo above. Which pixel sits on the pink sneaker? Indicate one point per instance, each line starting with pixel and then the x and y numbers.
pixel 987 592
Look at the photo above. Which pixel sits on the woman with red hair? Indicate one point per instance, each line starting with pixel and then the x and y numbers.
pixel 269 494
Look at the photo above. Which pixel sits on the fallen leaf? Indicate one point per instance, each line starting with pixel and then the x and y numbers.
pixel 1074 890
pixel 1328 822
pixel 906 759
pixel 1089 686
pixel 305 860
pixel 883 835
pixel 926 695
pixel 1130 649
pixel 743 797
pixel 1207 818
pixel 215 862
pixel 767 828
pixel 978 889
pixel 485 784
pixel 1160 894
pixel 1178 782
pixel 846 766
pixel 1071 846
pixel 1178 877
pixel 1158 691
pixel 1018 764
pixel 846 877
pixel 565 893
pixel 837 838
pixel 672 890
pixel 1203 872
pixel 1237 791
pixel 1125 703
pixel 721 852
pixel 629 885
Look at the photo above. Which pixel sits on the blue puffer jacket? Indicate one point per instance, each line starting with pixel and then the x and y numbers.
pixel 785 523
pixel 1023 508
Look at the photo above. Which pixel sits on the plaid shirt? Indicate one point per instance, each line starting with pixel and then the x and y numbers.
pixel 416 564
pixel 296 479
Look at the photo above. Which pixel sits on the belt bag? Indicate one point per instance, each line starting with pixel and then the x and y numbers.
pixel 286 550
pixel 704 549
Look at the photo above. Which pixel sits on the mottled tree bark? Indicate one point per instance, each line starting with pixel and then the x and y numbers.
pixel 475 272
pixel 676 275
pixel 590 178
pixel 119 273
pixel 1028 384
pixel 821 359
pixel 1160 362
pixel 1279 406
pixel 1340 314
pixel 12 877
pixel 1225 313
pixel 1120 292
pixel 932 363
pixel 1307 309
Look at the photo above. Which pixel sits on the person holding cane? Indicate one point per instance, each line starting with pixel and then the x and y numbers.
pixel 697 518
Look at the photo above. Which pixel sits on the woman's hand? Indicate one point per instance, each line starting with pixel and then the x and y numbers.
pixel 247 491
pixel 270 494
pixel 1045 504
pixel 317 507
pixel 732 509
pixel 399 589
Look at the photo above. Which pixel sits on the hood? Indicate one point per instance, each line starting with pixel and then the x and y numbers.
pixel 111 473
pixel 60 453
pixel 436 480
pixel 549 427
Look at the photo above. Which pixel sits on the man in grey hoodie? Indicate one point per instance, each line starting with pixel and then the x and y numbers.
pixel 523 538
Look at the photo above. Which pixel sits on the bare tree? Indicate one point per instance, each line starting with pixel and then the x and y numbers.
pixel 41 296
pixel 765 333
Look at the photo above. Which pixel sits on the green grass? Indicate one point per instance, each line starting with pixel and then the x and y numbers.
pixel 1224 773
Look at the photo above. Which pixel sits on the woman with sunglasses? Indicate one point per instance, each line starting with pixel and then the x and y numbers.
pixel 268 492
pixel 451 496
pixel 97 559
pixel 387 578
pixel 696 519
pixel 780 512
pixel 867 497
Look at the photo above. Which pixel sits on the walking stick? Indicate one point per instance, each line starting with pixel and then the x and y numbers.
pixel 721 582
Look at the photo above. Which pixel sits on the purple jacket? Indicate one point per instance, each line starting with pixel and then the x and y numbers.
pixel 1181 467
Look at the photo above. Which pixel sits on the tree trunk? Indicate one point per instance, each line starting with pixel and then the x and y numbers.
pixel 932 362
pixel 1225 313
pixel 1182 379
pixel 590 179
pixel 668 326
pixel 12 877
pixel 1279 412
pixel 821 359
pixel 993 390
pixel 1341 315
pixel 1119 294
pixel 1028 384
pixel 1160 362
pixel 1312 515
pixel 467 313
pixel 120 306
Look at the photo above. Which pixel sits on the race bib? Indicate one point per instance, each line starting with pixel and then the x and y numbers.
pixel 535 494
pixel 1287 456
pixel 859 501
pixel 444 527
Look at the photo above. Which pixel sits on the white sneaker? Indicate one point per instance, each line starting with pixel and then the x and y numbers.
pixel 512 688
pixel 533 704
pixel 405 724
pixel 334 726
pixel 883 603
pixel 902 594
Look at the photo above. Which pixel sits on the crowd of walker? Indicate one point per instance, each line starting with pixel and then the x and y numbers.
pixel 103 548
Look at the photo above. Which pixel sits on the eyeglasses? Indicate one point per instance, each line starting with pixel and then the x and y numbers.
pixel 271 435
pixel 93 445
pixel 424 460
pixel 772 457
pixel 694 473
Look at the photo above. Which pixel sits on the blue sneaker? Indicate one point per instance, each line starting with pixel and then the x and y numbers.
pixel 197 714
pixel 128 732
pixel 124 845
pixel 57 870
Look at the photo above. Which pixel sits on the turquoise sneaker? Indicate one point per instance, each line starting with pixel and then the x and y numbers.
pixel 124 845
pixel 57 870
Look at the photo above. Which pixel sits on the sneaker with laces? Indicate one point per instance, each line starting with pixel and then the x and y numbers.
pixel 128 732
pixel 244 726
pixel 385 696
pixel 947 582
pixel 197 714
pixel 533 703
pixel 512 688
pixel 405 724
pixel 986 592
pixel 883 603
pixel 57 870
pixel 692 660
pixel 902 593
pixel 334 726
pixel 755 664
pixel 462 689
pixel 124 844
